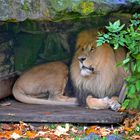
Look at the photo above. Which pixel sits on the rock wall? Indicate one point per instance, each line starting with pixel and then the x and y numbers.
pixel 20 10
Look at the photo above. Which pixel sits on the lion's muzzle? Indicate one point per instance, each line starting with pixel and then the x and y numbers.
pixel 84 70
pixel 81 58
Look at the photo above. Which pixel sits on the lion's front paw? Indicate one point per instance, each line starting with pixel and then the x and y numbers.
pixel 95 103
pixel 114 105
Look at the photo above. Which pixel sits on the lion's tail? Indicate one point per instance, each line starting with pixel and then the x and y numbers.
pixel 20 95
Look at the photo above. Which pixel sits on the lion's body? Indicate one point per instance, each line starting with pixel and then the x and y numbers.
pixel 93 70
pixel 43 84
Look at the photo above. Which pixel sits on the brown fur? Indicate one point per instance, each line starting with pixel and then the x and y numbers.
pixel 102 78
pixel 44 80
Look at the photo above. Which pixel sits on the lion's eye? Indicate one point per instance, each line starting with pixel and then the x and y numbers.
pixel 92 49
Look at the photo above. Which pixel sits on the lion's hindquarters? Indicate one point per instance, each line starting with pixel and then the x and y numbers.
pixel 50 78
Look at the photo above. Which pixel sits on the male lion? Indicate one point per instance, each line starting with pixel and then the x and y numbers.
pixel 43 84
pixel 94 74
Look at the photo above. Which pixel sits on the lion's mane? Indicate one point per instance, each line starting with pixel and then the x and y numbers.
pixel 106 79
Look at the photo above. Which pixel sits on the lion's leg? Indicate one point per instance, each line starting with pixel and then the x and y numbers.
pixel 59 94
pixel 96 103
pixel 103 103
pixel 63 98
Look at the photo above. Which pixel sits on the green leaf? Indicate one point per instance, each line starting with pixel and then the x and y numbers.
pixel 99 42
pixel 119 64
pixel 131 90
pixel 116 46
pixel 126 60
pixel 110 24
pixel 131 29
pixel 117 23
pixel 131 79
pixel 134 103
pixel 137 56
pixel 106 36
pixel 121 27
pixel 121 43
pixel 138 85
pixel 126 103
pixel 133 67
pixel 138 65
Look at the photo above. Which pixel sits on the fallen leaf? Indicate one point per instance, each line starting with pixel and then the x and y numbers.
pixel 74 130
pixel 31 134
pixel 6 127
pixel 91 129
pixel 132 112
pixel 135 137
pixel 15 136
pixel 60 130
pixel 128 129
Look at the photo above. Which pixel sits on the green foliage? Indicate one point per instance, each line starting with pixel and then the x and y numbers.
pixel 135 131
pixel 135 1
pixel 129 37
pixel 53 126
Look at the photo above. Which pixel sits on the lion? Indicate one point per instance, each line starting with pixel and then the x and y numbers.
pixel 94 74
pixel 44 84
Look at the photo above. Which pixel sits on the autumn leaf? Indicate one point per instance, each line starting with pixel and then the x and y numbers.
pixel 128 129
pixel 6 127
pixel 93 129
pixel 31 134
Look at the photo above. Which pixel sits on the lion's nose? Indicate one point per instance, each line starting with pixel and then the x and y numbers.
pixel 81 58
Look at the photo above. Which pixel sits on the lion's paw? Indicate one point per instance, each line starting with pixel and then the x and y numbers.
pixel 96 103
pixel 114 105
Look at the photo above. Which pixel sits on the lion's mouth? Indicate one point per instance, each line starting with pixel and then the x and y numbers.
pixel 86 71
pixel 88 68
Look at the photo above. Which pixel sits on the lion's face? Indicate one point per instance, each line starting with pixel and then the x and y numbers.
pixel 87 59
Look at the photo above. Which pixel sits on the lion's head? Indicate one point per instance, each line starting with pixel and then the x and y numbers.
pixel 93 69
